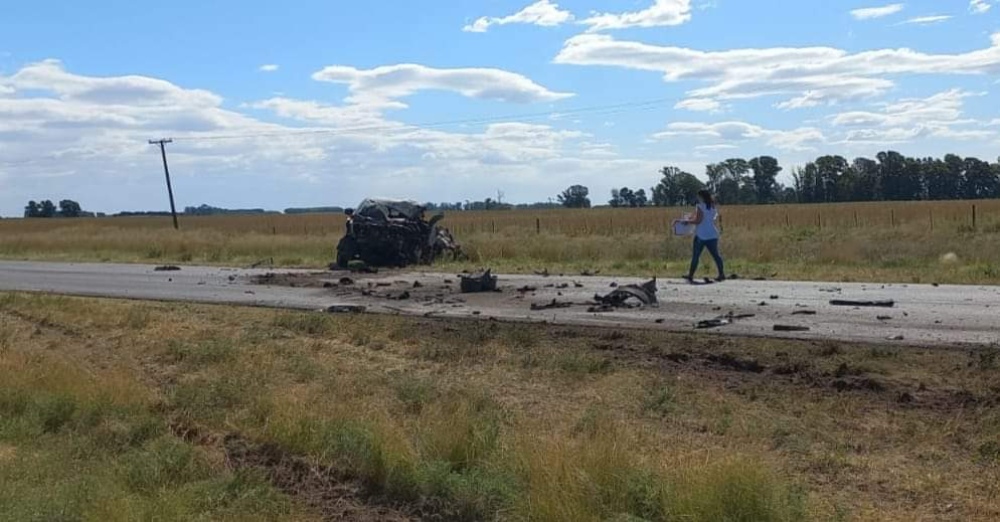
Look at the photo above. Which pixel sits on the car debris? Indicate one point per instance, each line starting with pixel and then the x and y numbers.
pixel 483 281
pixel 346 281
pixel 588 273
pixel 553 305
pixel 167 268
pixel 884 318
pixel 266 261
pixel 804 312
pixel 721 320
pixel 790 328
pixel 345 309
pixel 630 296
pixel 527 289
pixel 876 304
pixel 393 233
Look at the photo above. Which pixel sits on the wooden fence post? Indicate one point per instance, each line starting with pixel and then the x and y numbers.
pixel 932 220
pixel 787 224
pixel 973 217
pixel 493 224
pixel 855 219
pixel 538 226
pixel 892 217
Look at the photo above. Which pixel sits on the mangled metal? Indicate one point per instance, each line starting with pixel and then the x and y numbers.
pixel 627 296
pixel 483 281
pixel 393 233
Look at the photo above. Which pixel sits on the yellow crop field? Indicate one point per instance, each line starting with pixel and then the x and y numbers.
pixel 882 241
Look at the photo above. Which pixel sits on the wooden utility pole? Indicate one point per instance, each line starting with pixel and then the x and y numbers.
pixel 166 171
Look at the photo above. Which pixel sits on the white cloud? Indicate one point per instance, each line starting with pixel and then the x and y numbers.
pixel 397 81
pixel 938 116
pixel 91 133
pixel 928 20
pixel 800 139
pixel 270 67
pixel 543 13
pixel 824 74
pixel 699 104
pixel 869 13
pixel 661 13
pixel 716 147
pixel 979 6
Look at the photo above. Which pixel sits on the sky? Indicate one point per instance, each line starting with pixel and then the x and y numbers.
pixel 325 102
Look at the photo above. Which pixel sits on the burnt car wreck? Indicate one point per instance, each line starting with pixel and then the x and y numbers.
pixel 393 233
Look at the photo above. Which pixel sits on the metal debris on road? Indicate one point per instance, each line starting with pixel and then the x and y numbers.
pixel 167 268
pixel 630 296
pixel 790 328
pixel 345 309
pixel 554 304
pixel 876 304
pixel 483 281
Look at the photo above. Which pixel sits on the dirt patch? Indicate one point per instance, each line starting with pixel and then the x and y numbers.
pixel 322 488
pixel 7 452
pixel 733 362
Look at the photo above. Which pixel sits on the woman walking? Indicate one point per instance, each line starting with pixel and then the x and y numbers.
pixel 706 234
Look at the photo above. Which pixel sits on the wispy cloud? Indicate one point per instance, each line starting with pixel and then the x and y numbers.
pixel 928 20
pixel 662 13
pixel 869 13
pixel 543 13
pixel 979 6
pixel 270 67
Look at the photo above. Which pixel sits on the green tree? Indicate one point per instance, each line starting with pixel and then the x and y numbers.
pixel 575 196
pixel 765 178
pixel 47 209
pixel 69 208
pixel 32 210
pixel 676 187
pixel 981 179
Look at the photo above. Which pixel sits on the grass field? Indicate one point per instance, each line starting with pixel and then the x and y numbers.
pixel 113 410
pixel 899 242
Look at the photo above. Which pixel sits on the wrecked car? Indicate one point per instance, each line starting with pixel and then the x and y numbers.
pixel 393 233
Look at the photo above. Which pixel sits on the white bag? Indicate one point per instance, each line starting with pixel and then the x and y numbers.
pixel 683 229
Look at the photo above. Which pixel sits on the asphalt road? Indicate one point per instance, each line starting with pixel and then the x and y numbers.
pixel 922 314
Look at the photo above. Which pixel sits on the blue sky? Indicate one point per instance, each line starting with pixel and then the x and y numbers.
pixel 325 102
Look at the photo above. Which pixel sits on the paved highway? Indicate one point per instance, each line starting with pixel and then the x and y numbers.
pixel 922 314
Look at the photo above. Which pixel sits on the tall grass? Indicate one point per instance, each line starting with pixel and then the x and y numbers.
pixel 901 241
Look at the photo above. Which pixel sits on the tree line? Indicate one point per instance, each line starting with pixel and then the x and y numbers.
pixel 828 179
pixel 47 209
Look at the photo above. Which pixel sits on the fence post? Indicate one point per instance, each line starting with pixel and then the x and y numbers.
pixel 819 220
pixel 892 217
pixel 932 220
pixel 493 224
pixel 538 226
pixel 855 219
pixel 973 217
pixel 787 224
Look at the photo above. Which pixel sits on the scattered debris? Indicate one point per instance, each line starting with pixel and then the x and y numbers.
pixel 790 328
pixel 479 282
pixel 935 285
pixel 346 281
pixel 884 318
pixel 804 312
pixel 879 304
pixel 526 289
pixel 418 284
pixel 543 273
pixel 895 338
pixel 167 268
pixel 588 273
pixel 721 320
pixel 345 309
pixel 403 296
pixel 831 289
pixel 327 285
pixel 613 285
pixel 562 286
pixel 232 278
pixel 660 321
pixel 626 296
pixel 382 284
pixel 577 285
pixel 555 304
pixel 773 297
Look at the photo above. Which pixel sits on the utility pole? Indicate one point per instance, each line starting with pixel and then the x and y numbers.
pixel 166 171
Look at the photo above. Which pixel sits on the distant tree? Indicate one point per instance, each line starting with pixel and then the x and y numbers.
pixel 32 210
pixel 575 196
pixel 47 210
pixel 765 178
pixel 70 209
pixel 676 187
pixel 640 199
pixel 981 179
pixel 616 199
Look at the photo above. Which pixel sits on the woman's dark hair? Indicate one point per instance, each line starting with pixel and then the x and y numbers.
pixel 706 196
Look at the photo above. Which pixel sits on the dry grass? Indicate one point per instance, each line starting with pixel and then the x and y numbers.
pixel 480 421
pixel 891 242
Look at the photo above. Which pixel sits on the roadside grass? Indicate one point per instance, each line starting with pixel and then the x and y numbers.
pixel 103 416
pixel 845 242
